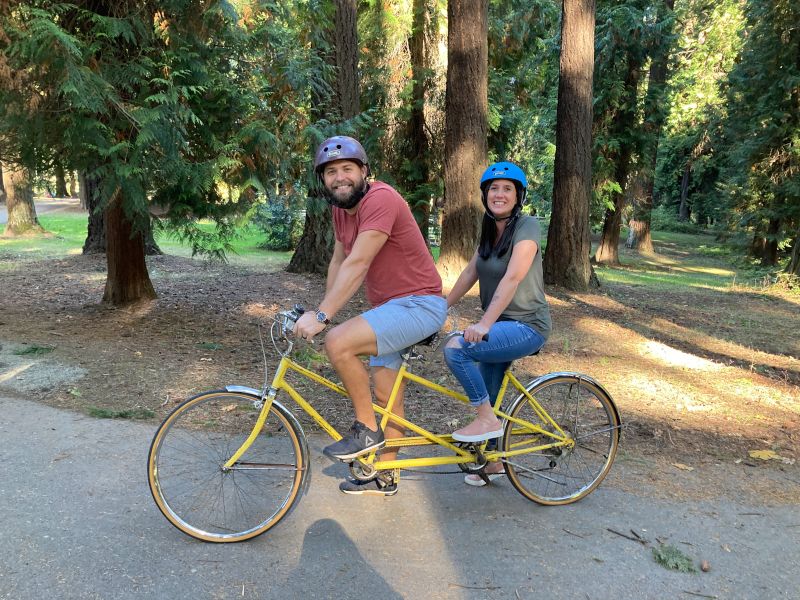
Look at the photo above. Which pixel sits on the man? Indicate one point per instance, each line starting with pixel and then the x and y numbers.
pixel 378 243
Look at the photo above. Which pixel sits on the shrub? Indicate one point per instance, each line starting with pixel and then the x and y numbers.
pixel 663 218
pixel 281 223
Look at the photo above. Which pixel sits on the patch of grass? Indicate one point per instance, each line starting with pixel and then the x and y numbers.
pixel 309 357
pixel 131 413
pixel 246 248
pixel 673 558
pixel 662 279
pixel 67 233
pixel 34 350
pixel 209 346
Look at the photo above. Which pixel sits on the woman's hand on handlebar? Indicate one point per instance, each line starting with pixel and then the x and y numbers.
pixel 475 333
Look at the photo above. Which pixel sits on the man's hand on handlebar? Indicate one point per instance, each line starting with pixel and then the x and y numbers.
pixel 307 326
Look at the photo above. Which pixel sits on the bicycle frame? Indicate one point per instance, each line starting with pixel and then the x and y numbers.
pixel 424 437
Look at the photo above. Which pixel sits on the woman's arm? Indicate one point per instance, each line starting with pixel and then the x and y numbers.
pixel 518 267
pixel 465 281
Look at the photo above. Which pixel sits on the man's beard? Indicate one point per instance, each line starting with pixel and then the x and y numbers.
pixel 350 201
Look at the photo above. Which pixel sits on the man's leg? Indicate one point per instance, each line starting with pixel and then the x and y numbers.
pixel 384 379
pixel 344 344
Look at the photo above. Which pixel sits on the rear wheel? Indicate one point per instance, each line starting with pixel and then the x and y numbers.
pixel 194 491
pixel 587 416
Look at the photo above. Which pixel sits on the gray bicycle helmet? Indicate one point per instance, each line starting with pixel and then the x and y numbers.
pixel 339 147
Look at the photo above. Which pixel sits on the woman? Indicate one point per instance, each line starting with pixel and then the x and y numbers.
pixel 516 318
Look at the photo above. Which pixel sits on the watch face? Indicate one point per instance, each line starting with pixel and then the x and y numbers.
pixel 322 317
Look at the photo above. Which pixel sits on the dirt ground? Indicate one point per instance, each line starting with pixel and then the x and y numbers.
pixel 702 378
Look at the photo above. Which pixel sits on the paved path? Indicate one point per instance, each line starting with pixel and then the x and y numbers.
pixel 46 205
pixel 77 521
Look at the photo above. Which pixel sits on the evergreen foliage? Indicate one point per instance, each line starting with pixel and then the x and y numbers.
pixel 759 142
pixel 205 109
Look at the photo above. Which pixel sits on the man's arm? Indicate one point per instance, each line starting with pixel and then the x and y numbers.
pixel 336 261
pixel 344 279
pixel 351 271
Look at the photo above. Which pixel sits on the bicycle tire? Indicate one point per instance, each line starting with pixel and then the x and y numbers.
pixel 206 502
pixel 585 412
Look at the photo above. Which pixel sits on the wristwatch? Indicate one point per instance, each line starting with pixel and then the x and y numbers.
pixel 323 318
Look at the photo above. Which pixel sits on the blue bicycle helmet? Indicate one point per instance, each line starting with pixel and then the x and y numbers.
pixel 509 171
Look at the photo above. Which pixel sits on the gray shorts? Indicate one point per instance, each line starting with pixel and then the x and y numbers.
pixel 401 323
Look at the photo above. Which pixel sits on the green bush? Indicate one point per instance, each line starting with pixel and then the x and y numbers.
pixel 281 223
pixel 663 218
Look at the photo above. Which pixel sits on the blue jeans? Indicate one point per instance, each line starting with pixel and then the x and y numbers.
pixel 480 366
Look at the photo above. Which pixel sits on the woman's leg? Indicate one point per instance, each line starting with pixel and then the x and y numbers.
pixel 506 341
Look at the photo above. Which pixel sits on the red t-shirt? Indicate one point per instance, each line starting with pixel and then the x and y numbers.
pixel 403 266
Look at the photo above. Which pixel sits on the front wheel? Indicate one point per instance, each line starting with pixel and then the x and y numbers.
pixel 185 467
pixel 587 417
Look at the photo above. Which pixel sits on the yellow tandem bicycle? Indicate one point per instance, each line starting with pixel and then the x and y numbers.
pixel 229 464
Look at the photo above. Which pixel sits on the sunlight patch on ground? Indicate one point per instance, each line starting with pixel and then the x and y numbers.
pixel 673 278
pixel 666 395
pixel 675 358
pixel 11 373
pixel 746 389
pixel 731 349
pixel 708 271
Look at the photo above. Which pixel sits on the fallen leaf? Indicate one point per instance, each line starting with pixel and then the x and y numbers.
pixel 683 467
pixel 763 454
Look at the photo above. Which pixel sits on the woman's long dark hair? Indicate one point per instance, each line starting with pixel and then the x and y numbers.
pixel 486 245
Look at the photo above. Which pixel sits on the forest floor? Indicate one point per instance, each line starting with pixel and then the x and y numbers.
pixel 707 378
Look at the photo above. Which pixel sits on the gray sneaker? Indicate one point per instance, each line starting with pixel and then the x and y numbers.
pixel 385 484
pixel 361 440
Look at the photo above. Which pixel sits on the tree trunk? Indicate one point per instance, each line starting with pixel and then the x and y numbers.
pixel 566 261
pixel 19 202
pixel 347 58
pixel 128 280
pixel 684 211
pixel 90 200
pixel 417 136
pixel 315 248
pixel 655 109
pixel 757 244
pixel 2 187
pixel 61 182
pixel 608 249
pixel 793 268
pixel 607 252
pixel 73 185
pixel 95 242
pixel 466 128
pixel 769 258
pixel 639 237
pixel 82 195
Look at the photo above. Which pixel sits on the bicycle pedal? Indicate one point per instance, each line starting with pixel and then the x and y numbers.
pixel 483 475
